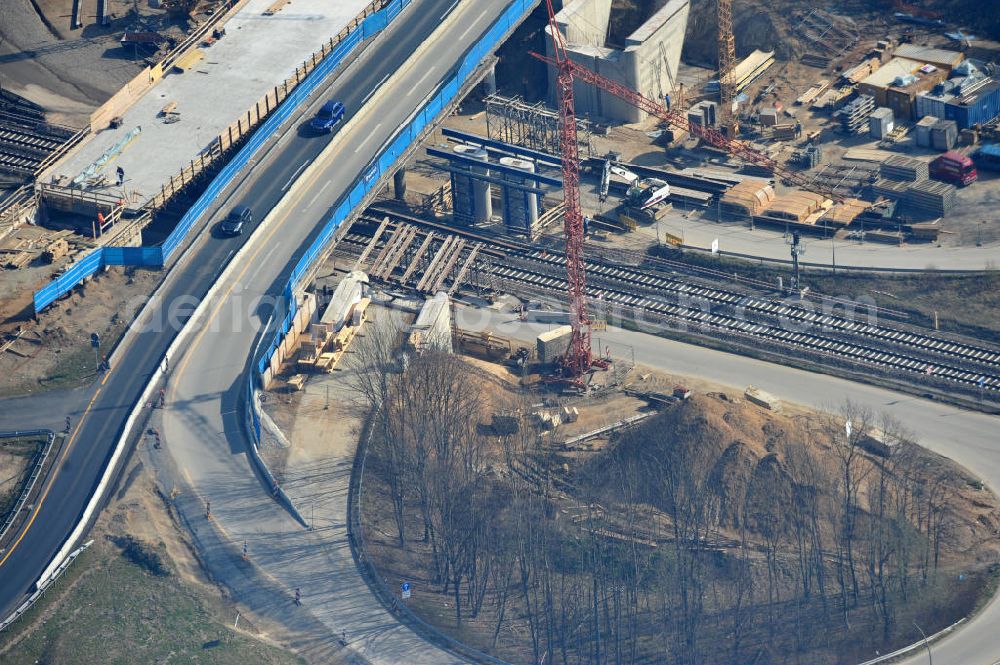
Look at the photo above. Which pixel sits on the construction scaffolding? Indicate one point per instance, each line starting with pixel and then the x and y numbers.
pixel 536 126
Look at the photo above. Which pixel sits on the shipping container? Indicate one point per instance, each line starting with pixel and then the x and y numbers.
pixel 988 157
pixel 880 123
pixel 924 130
pixel 944 135
pixel 931 103
pixel 975 108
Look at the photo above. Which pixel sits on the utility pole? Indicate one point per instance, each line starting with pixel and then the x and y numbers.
pixel 797 248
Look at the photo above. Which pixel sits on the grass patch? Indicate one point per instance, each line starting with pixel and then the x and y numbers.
pixel 109 610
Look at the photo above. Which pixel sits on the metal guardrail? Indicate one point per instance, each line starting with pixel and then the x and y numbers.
pixel 26 605
pixel 368 182
pixel 369 179
pixel 36 471
pixel 926 642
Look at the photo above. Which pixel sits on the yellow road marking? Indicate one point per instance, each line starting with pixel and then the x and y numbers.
pixel 52 482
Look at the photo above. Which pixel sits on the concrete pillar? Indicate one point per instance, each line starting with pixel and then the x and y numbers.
pixel 481 193
pixel 399 184
pixel 520 207
pixel 490 81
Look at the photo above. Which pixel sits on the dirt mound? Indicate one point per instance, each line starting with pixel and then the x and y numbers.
pixel 732 451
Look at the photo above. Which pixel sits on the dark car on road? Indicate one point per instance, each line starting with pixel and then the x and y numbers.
pixel 329 115
pixel 238 218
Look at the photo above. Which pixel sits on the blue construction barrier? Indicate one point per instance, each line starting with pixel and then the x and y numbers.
pixel 157 257
pixel 369 179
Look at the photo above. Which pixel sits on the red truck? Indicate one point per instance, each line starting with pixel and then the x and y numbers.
pixel 954 167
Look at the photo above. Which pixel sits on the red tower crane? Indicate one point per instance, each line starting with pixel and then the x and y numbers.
pixel 677 119
pixel 577 359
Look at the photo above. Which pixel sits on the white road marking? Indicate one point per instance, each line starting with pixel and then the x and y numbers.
pixel 443 16
pixel 321 190
pixel 369 138
pixel 372 91
pixel 472 25
pixel 262 263
pixel 295 175
pixel 423 78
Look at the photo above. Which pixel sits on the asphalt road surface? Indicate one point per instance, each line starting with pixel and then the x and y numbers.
pixel 204 438
pixel 95 434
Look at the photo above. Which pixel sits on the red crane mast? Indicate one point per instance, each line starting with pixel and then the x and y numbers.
pixel 578 357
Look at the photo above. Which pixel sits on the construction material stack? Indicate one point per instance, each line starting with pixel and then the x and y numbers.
pixel 907 179
pixel 902 168
pixel 747 199
pixel 854 116
pixel 931 197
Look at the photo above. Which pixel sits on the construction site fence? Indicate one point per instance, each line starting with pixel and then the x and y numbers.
pixel 305 84
pixel 386 161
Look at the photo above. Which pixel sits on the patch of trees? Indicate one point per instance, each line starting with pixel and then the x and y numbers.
pixel 677 544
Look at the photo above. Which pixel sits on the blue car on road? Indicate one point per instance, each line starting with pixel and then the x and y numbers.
pixel 329 115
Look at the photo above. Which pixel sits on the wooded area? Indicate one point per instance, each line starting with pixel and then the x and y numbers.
pixel 713 532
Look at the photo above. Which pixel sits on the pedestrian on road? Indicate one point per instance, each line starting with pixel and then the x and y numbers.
pixel 163 397
pixel 67 425
pixel 121 175
pixel 298 597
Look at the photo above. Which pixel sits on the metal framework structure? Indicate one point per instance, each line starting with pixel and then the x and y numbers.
pixel 727 60
pixel 578 356
pixel 516 122
pixel 678 119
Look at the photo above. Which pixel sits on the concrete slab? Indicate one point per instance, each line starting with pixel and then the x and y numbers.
pixel 257 53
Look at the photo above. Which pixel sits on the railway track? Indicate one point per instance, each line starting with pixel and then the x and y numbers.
pixel 717 311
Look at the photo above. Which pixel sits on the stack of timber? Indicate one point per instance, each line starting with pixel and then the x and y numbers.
pixel 748 198
pixel 845 212
pixel 892 188
pixel 931 197
pixel 797 206
pixel 814 91
pixel 750 68
pixel 860 72
pixel 854 116
pixel 831 99
pixel 903 168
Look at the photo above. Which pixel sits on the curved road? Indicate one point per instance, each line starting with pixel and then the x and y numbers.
pixel 96 432
pixel 204 441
